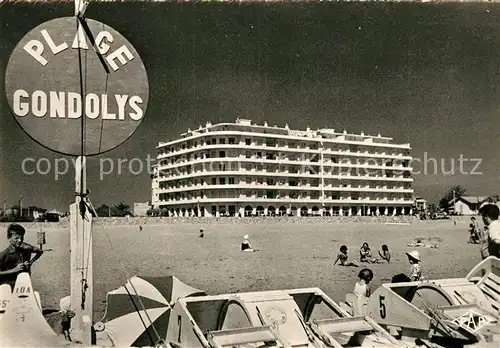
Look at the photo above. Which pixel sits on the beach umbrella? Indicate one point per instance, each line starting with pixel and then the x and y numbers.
pixel 137 314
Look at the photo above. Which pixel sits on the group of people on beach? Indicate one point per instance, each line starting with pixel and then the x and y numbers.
pixel 365 255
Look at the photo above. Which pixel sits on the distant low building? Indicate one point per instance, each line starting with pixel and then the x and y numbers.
pixel 467 205
pixel 420 204
pixel 140 209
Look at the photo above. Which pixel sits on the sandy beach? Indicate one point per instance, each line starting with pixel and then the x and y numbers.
pixel 292 255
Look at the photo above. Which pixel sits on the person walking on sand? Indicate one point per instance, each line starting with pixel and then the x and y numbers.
pixel 16 258
pixel 474 237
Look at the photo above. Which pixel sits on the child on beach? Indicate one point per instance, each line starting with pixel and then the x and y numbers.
pixel 16 258
pixel 415 272
pixel 385 254
pixel 362 290
pixel 365 254
pixel 343 258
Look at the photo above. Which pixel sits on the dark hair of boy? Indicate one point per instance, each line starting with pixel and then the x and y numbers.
pixel 15 229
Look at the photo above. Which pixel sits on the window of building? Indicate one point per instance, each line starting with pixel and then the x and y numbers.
pixel 214 181
pixel 248 141
pixel 222 181
pixel 222 154
pixel 214 141
pixel 248 154
pixel 231 140
pixel 258 155
pixel 222 140
pixel 271 142
pixel 231 181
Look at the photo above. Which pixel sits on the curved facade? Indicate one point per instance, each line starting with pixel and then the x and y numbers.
pixel 244 169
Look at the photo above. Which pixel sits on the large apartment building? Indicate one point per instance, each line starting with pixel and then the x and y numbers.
pixel 240 168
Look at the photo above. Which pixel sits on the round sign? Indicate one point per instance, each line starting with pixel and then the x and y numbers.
pixel 61 98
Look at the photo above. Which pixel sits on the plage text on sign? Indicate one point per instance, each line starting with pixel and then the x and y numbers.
pixel 35 48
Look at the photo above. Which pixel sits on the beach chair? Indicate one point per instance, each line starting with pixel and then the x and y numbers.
pixel 486 276
pixel 23 324
pixel 447 309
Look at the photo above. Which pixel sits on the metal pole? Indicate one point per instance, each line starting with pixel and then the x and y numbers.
pixel 454 203
pixel 81 258
pixel 4 207
pixel 21 206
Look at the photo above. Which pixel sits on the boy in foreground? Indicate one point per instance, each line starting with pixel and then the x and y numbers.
pixel 16 258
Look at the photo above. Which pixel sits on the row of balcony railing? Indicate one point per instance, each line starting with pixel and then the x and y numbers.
pixel 326 176
pixel 345 200
pixel 206 186
pixel 250 164
pixel 241 147
pixel 268 140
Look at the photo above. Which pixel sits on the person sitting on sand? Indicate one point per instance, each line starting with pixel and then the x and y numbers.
pixel 202 234
pixel 343 258
pixel 366 254
pixel 362 290
pixel 385 254
pixel 245 245
pixel 415 272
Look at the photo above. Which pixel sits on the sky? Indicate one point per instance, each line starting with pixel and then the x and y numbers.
pixel 424 74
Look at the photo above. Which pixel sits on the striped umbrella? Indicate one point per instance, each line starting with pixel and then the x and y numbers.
pixel 137 314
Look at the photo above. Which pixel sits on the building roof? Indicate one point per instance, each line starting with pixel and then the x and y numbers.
pixel 470 199
pixel 313 135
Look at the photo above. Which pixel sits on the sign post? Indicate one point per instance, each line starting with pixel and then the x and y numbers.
pixel 79 88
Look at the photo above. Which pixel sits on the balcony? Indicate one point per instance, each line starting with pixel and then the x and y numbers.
pixel 277 187
pixel 282 174
pixel 288 201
